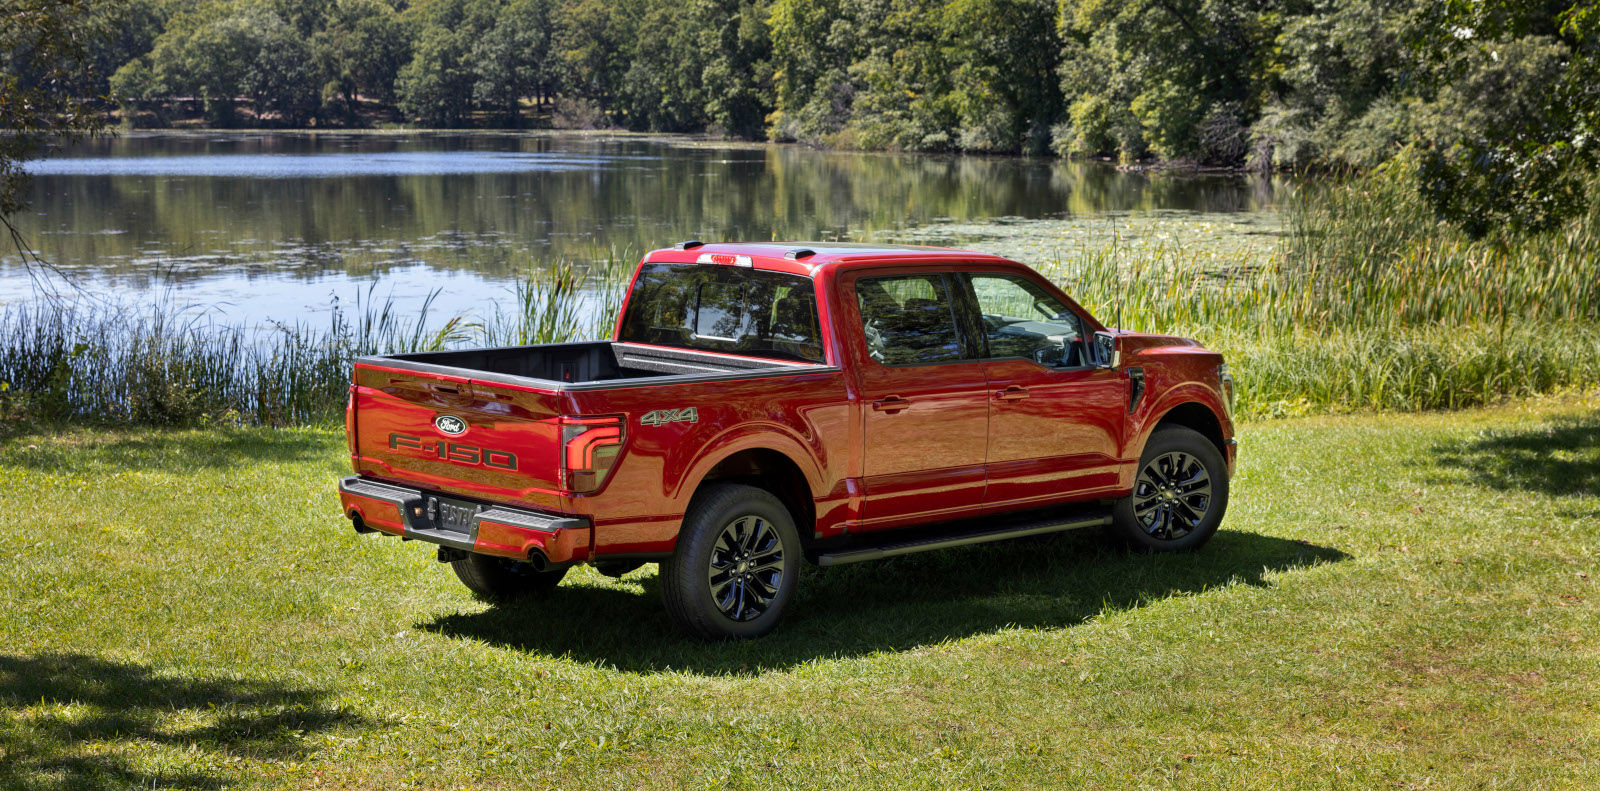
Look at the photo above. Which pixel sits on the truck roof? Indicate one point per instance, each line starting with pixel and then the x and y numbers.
pixel 805 258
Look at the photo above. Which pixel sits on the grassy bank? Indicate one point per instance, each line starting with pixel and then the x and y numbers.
pixel 1367 302
pixel 1394 601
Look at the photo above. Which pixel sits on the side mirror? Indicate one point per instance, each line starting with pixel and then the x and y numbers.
pixel 1106 354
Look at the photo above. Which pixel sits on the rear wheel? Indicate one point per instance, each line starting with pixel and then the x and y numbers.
pixel 497 579
pixel 736 564
pixel 1179 493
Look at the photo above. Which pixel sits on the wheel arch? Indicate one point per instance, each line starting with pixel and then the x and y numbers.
pixel 769 469
pixel 1196 416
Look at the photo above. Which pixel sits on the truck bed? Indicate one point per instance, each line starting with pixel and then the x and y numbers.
pixel 585 365
pixel 512 417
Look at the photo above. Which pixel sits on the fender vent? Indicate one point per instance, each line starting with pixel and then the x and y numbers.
pixel 1135 388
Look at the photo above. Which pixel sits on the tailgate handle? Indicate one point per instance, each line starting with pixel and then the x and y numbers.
pixel 451 389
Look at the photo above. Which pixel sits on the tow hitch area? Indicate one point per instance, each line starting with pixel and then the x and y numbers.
pixel 463 525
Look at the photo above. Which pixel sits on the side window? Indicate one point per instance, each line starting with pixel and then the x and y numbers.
pixel 1020 319
pixel 908 319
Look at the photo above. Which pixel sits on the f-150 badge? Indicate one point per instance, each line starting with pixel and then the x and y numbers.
pixel 661 417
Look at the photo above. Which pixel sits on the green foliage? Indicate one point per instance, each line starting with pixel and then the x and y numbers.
pixel 593 45
pixel 47 80
pixel 436 87
pixel 1513 138
pixel 361 50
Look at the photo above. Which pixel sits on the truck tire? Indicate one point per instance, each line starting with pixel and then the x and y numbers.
pixel 498 579
pixel 736 564
pixel 1179 493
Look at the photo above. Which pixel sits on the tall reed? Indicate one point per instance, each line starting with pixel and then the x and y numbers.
pixel 165 364
pixel 1371 302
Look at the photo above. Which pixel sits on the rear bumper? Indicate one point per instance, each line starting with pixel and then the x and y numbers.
pixel 485 528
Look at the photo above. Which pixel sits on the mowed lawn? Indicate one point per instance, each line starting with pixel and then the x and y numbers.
pixel 1395 601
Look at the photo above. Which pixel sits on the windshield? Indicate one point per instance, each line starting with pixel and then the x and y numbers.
pixel 719 308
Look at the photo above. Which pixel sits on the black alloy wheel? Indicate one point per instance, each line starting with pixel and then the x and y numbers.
pixel 736 565
pixel 746 568
pixel 1172 495
pixel 1179 493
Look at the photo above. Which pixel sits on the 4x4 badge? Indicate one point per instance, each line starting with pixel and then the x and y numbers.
pixel 661 417
pixel 450 424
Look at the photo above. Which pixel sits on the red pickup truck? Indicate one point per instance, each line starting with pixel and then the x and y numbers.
pixel 761 405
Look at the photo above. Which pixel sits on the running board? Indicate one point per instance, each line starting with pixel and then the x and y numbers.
pixel 1032 527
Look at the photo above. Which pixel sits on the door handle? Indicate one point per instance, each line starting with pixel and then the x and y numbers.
pixel 892 404
pixel 1012 393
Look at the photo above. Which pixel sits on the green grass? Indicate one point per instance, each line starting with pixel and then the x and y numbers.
pixel 1396 601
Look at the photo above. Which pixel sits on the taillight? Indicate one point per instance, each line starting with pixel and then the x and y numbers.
pixel 589 448
pixel 350 420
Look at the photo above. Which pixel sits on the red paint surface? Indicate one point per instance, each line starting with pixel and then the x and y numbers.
pixel 962 444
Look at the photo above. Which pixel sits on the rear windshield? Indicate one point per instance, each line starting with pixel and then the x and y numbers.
pixel 718 308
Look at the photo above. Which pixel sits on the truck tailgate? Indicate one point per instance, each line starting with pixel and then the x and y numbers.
pixel 438 431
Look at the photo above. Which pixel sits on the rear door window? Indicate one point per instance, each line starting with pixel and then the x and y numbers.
pixel 909 319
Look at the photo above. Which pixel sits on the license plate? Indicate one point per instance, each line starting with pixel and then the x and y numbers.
pixel 452 515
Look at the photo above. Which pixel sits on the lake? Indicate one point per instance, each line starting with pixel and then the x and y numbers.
pixel 275 226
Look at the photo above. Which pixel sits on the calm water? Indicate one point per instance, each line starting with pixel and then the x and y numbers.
pixel 275 226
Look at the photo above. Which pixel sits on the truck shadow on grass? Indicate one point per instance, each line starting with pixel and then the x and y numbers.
pixel 67 721
pixel 890 605
pixel 1560 458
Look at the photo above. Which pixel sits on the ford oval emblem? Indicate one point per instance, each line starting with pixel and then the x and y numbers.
pixel 450 424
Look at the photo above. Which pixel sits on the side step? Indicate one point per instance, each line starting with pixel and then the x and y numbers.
pixel 1029 527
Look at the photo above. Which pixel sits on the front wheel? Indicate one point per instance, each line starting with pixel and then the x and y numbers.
pixel 736 564
pixel 1179 494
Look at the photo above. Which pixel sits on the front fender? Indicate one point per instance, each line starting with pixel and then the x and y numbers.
pixel 1154 408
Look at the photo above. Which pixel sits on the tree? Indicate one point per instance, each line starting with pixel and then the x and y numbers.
pixel 812 49
pixel 1002 90
pixel 664 88
pixel 1189 74
pixel 595 42
pixel 361 50
pixel 737 76
pixel 220 51
pixel 436 87
pixel 280 75
pixel 1511 137
pixel 512 58
pixel 48 87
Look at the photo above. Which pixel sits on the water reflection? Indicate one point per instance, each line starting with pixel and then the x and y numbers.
pixel 278 219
